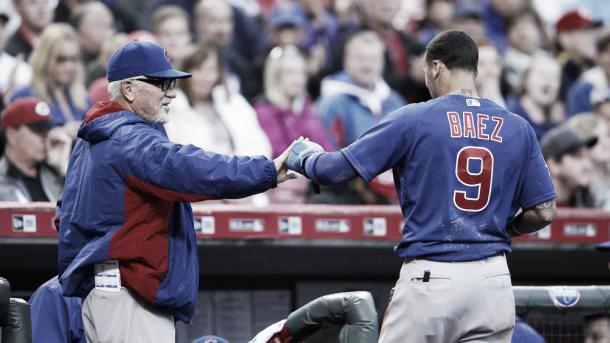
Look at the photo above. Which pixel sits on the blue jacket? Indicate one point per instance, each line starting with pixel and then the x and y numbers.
pixel 59 117
pixel 524 333
pixel 590 85
pixel 513 104
pixel 55 318
pixel 348 110
pixel 579 95
pixel 126 198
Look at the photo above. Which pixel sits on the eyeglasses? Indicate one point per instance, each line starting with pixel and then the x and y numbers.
pixel 163 84
pixel 63 59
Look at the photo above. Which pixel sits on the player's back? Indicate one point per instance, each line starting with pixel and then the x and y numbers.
pixel 461 179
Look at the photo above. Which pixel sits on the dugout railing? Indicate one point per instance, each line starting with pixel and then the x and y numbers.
pixel 561 313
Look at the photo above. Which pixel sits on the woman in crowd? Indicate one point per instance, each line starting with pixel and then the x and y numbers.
pixel 538 99
pixel 210 114
pixel 285 111
pixel 59 75
pixel 489 73
pixel 525 39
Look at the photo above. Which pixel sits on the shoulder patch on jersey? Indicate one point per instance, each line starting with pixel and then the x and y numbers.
pixel 473 102
pixel 564 297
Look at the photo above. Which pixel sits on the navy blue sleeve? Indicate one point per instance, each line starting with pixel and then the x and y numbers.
pixel 382 146
pixel 177 172
pixel 524 333
pixel 329 168
pixel 537 187
pixel 578 98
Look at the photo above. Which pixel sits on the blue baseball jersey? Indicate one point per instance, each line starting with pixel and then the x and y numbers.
pixel 462 168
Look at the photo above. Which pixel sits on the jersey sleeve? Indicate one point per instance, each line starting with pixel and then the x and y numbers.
pixel 382 146
pixel 537 186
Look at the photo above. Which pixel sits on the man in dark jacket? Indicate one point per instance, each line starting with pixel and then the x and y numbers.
pixel 35 16
pixel 24 174
pixel 127 242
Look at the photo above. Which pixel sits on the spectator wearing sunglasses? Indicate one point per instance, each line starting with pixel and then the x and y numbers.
pixel 59 76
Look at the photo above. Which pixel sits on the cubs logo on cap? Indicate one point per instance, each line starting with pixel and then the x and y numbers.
pixel 167 58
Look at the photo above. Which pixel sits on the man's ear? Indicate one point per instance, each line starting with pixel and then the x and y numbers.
pixel 127 90
pixel 437 67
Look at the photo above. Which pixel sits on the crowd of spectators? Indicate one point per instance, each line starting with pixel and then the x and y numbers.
pixel 266 72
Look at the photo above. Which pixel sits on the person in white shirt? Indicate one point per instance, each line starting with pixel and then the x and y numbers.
pixel 209 114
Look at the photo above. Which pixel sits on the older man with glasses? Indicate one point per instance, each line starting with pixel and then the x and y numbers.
pixel 127 242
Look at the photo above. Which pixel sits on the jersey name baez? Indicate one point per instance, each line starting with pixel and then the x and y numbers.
pixel 462 168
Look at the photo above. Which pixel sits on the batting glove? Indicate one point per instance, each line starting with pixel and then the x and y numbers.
pixel 299 152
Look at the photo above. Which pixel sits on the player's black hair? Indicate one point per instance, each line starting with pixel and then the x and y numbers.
pixel 455 49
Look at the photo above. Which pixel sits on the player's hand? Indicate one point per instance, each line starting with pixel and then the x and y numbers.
pixel 281 168
pixel 300 151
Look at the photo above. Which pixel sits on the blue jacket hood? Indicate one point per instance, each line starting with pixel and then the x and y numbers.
pixel 103 119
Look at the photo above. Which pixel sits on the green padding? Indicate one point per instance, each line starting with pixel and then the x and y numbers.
pixel 5 295
pixel 353 311
pixel 19 327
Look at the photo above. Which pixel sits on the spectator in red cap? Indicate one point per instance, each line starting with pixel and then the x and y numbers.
pixel 24 174
pixel 576 36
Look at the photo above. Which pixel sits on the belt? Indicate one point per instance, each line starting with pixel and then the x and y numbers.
pixel 411 259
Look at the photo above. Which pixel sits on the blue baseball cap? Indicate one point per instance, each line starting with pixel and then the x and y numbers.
pixel 142 58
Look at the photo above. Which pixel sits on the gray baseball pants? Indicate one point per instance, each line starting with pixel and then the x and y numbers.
pixel 116 317
pixel 461 302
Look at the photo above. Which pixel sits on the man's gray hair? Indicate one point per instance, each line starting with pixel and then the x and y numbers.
pixel 114 87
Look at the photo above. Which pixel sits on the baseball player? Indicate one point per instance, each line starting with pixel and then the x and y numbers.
pixel 463 167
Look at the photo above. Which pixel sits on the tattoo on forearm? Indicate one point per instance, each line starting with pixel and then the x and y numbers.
pixel 546 210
